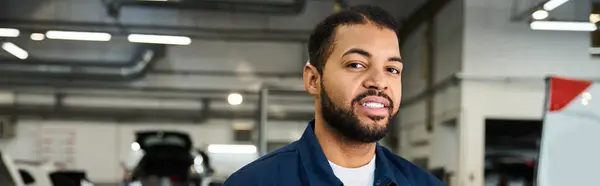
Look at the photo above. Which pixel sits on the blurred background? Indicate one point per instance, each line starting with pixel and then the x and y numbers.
pixel 118 92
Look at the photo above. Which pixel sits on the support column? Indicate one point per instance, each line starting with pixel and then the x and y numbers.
pixel 262 124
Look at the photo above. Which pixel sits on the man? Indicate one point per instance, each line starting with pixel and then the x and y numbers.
pixel 354 75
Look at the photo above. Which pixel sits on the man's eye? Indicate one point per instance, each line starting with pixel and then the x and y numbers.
pixel 356 65
pixel 393 70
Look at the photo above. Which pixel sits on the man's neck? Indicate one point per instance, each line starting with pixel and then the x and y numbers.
pixel 341 151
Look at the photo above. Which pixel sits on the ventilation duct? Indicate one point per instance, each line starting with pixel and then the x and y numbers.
pixel 126 70
pixel 277 8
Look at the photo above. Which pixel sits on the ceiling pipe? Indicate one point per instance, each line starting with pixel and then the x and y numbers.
pixel 275 8
pixel 136 67
pixel 28 26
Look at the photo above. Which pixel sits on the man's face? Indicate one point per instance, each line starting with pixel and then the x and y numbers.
pixel 360 88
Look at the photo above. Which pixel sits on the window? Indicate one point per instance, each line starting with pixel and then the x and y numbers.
pixel 242 135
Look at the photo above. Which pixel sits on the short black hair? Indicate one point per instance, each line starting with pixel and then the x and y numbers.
pixel 322 38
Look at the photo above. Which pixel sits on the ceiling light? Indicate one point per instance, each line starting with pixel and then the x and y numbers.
pixel 552 4
pixel 159 39
pixel 81 36
pixel 234 99
pixel 594 50
pixel 232 149
pixel 540 14
pixel 9 32
pixel 15 50
pixel 37 36
pixel 594 18
pixel 563 26
pixel 135 146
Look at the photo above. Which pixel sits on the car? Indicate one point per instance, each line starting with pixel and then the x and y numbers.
pixel 9 173
pixel 35 173
pixel 32 173
pixel 161 157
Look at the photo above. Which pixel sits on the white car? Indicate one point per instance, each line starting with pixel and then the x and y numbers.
pixel 9 173
pixel 35 173
pixel 27 173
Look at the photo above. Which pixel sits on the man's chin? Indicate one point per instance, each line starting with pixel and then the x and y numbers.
pixel 374 120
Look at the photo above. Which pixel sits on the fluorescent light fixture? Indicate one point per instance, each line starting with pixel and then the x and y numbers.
pixel 594 50
pixel 235 99
pixel 232 149
pixel 159 39
pixel 198 160
pixel 552 4
pixel 81 36
pixel 540 14
pixel 563 26
pixel 594 18
pixel 37 36
pixel 15 50
pixel 9 32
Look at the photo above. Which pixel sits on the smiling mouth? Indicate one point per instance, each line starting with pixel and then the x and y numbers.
pixel 374 105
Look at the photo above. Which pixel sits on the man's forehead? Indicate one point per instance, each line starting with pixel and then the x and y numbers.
pixel 366 37
pixel 364 33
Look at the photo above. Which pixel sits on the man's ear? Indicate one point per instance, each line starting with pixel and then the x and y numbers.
pixel 311 79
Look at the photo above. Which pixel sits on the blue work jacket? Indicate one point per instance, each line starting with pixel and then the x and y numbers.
pixel 303 163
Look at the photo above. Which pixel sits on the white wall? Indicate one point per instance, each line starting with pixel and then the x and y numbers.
pixel 99 147
pixel 495 47
pixel 441 144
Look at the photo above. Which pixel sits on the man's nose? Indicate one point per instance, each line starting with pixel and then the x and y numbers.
pixel 376 80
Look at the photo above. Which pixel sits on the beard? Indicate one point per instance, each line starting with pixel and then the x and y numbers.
pixel 346 123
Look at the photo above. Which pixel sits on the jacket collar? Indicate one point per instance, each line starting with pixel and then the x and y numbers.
pixel 317 167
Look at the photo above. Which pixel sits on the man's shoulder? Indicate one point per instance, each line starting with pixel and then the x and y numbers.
pixel 266 169
pixel 415 174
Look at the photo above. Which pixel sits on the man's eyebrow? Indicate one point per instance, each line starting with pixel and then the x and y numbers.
pixel 397 59
pixel 358 51
pixel 367 54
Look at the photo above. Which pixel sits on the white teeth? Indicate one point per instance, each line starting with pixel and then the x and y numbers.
pixel 373 105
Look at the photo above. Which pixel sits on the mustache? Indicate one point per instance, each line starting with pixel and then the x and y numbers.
pixel 373 93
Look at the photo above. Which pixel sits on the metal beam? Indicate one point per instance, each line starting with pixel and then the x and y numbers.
pixel 90 85
pixel 141 115
pixel 426 12
pixel 146 96
pixel 225 73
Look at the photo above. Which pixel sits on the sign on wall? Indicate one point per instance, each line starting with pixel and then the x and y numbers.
pixel 570 146
pixel 58 145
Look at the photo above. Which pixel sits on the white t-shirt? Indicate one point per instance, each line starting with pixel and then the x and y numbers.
pixel 361 176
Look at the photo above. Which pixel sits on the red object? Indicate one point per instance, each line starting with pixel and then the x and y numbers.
pixel 563 91
pixel 529 163
pixel 174 179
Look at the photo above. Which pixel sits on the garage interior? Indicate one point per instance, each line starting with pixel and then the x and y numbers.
pixel 86 86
